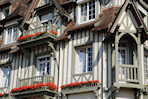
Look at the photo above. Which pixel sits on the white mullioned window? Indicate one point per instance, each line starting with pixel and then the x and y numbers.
pixel 87 11
pixel 123 57
pixel 11 34
pixel 84 60
pixel 43 65
pixel 123 53
pixel 5 76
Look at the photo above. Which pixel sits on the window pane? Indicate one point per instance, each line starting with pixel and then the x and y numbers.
pixel 89 59
pixel 92 10
pixel 44 65
pixel 83 12
pixel 9 35
pixel 48 69
pixel 82 61
pixel 5 77
pixel 14 33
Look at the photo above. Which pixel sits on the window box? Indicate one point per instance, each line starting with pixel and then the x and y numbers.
pixel 83 86
pixel 36 88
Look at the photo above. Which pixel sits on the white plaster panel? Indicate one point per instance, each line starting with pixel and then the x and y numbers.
pixel 89 95
pixel 125 93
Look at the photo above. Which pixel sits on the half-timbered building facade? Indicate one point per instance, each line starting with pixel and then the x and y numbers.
pixel 73 49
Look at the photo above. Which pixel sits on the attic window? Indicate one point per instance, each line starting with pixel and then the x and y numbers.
pixel 86 12
pixel 5 12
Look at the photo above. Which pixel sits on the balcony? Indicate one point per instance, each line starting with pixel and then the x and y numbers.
pixel 29 87
pixel 38 35
pixel 4 92
pixel 78 87
pixel 82 77
pixel 81 83
pixel 127 76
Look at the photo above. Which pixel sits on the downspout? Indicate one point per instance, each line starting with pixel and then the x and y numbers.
pixel 54 51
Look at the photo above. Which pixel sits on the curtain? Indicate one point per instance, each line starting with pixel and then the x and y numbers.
pixel 104 2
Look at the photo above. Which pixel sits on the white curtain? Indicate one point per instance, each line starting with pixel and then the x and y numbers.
pixel 5 76
pixel 81 62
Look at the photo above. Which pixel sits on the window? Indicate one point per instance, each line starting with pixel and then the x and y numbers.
pixel 43 63
pixel 144 14
pixel 5 12
pixel 46 18
pixel 11 34
pixel 86 12
pixel 122 58
pixel 46 1
pixel 5 76
pixel 122 53
pixel 45 21
pixel 84 60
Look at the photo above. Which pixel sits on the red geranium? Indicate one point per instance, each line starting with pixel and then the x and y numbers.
pixel 75 84
pixel 50 85
pixel 1 94
pixel 53 32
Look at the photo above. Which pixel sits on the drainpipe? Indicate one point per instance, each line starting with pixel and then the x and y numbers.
pixel 55 58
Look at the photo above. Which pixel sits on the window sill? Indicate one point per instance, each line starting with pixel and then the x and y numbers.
pixel 86 22
pixel 10 43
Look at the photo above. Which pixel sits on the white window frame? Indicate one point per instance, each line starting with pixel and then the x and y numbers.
pixel 38 64
pixel 77 65
pixel 7 82
pixel 126 51
pixel 79 11
pixel 12 40
pixel 145 19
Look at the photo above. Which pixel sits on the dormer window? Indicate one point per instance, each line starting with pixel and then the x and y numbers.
pixel 45 19
pixel 144 14
pixel 86 11
pixel 5 12
pixel 11 35
pixel 46 1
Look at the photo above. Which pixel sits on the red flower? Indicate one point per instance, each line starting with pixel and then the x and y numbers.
pixel 1 94
pixel 53 32
pixel 74 84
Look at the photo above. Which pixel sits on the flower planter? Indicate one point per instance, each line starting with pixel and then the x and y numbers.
pixel 23 39
pixel 51 87
pixel 77 87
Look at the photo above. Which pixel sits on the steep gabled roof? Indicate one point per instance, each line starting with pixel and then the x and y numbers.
pixel 109 20
pixel 137 16
pixel 103 22
pixel 56 3
pixel 19 12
